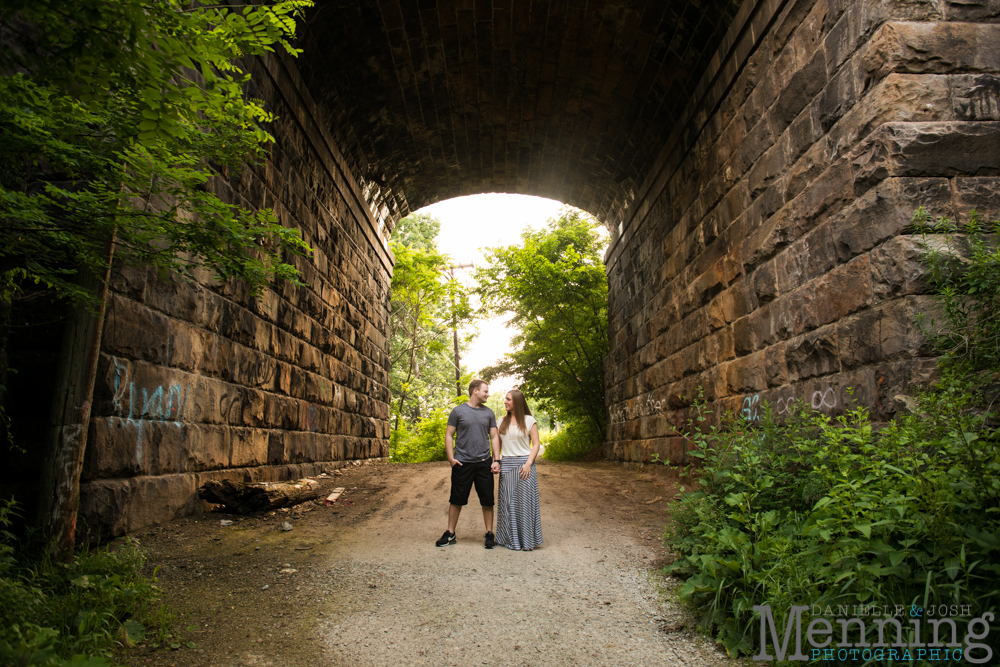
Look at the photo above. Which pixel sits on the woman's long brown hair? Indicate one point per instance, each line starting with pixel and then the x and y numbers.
pixel 520 410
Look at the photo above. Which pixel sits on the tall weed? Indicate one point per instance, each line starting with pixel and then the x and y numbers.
pixel 80 613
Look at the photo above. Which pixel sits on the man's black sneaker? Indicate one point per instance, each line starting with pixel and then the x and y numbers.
pixel 491 540
pixel 446 539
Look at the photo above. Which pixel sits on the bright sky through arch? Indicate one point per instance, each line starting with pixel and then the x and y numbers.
pixel 485 221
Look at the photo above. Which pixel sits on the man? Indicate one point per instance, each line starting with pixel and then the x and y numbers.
pixel 471 459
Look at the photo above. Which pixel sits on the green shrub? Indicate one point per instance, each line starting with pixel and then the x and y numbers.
pixel 573 440
pixel 834 512
pixel 79 613
pixel 424 443
pixel 824 511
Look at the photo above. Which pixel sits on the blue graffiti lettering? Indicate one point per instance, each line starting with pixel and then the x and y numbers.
pixel 749 411
pixel 158 404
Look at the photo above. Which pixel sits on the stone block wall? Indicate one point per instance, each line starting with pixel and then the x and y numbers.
pixel 201 380
pixel 768 256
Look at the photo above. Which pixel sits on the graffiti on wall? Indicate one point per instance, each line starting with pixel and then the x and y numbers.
pixel 624 412
pixel 824 399
pixel 137 406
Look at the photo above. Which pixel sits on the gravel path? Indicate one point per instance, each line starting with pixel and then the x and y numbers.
pixel 374 590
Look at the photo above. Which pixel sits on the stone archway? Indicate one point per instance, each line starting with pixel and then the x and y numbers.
pixel 756 162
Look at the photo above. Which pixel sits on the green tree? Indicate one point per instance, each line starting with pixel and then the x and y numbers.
pixel 425 304
pixel 418 231
pixel 554 286
pixel 115 117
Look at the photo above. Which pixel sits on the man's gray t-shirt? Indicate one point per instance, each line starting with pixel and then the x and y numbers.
pixel 472 432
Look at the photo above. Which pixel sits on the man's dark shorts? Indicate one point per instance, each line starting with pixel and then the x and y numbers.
pixel 465 475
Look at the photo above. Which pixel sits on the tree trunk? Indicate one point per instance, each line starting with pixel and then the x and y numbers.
pixel 5 434
pixel 409 376
pixel 242 498
pixel 66 439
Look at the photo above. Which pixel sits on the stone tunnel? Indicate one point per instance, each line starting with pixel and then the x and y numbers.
pixel 757 164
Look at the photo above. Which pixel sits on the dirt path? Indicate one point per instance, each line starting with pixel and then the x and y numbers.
pixel 361 583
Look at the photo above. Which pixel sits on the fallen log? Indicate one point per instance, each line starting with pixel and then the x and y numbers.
pixel 243 498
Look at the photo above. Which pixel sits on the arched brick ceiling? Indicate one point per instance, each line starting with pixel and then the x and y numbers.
pixel 566 99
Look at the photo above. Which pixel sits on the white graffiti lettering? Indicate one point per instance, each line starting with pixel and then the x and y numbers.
pixel 623 412
pixel 824 399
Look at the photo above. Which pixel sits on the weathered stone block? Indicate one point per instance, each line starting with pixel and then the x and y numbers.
pixel 206 447
pixel 794 313
pixel 801 89
pixel 898 268
pixel 887 210
pixel 888 331
pixel 837 98
pixel 768 168
pixel 976 96
pixel 172 296
pixel 112 451
pixel 936 47
pixel 250 368
pixel 824 196
pixel 971 10
pixel 898 97
pixel 249 447
pixel 801 135
pixel 751 113
pixel 809 257
pixel 765 282
pixel 765 206
pixel 981 194
pixel 747 374
pixel 693 358
pixel 252 408
pixel 791 19
pixel 804 171
pixel 814 354
pixel 764 243
pixel 110 508
pixel 164 445
pixel 842 291
pixel 143 338
pixel 843 36
pixel 758 140
pixel 674 449
pixel 776 368
pixel 718 315
pixel 763 327
pixel 927 149
pixel 141 391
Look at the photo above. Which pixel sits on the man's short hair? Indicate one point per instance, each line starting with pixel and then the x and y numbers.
pixel 474 385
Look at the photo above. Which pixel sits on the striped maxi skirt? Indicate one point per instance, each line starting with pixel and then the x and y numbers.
pixel 519 520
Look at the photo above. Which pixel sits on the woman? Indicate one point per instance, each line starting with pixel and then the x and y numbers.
pixel 519 522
